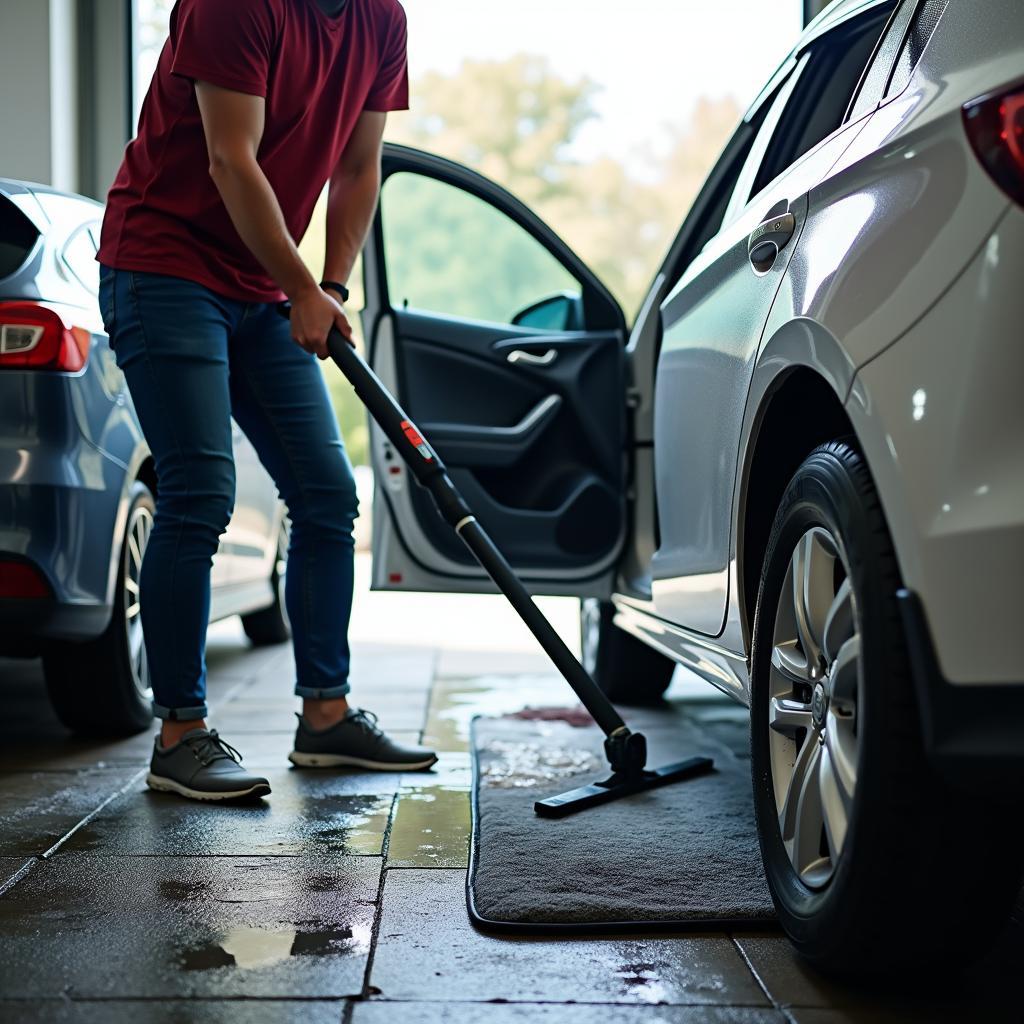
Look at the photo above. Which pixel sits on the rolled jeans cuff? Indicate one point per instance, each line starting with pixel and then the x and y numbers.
pixel 180 714
pixel 322 693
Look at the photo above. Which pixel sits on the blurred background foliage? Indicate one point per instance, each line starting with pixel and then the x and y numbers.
pixel 514 121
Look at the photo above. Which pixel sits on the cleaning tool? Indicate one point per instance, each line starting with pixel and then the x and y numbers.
pixel 626 750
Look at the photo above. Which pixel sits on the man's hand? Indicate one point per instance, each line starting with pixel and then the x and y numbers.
pixel 314 313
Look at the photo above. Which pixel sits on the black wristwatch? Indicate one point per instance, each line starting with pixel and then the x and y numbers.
pixel 336 286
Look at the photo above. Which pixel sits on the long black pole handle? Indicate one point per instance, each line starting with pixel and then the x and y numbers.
pixel 431 473
pixel 417 454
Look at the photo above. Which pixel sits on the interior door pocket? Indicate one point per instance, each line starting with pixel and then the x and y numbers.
pixel 584 522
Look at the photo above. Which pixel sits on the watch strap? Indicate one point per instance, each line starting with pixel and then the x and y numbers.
pixel 336 286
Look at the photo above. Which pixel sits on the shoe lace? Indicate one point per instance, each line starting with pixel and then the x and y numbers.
pixel 367 721
pixel 211 747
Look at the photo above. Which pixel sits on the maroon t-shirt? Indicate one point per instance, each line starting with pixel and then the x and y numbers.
pixel 317 72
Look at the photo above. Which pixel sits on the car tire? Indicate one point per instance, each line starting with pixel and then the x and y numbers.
pixel 625 668
pixel 896 882
pixel 101 687
pixel 270 625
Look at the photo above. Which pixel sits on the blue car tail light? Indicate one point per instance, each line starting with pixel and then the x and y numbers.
pixel 35 336
pixel 22 581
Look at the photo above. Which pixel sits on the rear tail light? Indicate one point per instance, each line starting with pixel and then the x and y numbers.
pixel 995 126
pixel 22 581
pixel 33 336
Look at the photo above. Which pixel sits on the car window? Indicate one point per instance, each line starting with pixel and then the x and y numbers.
pixel 823 92
pixel 926 18
pixel 79 256
pixel 710 210
pixel 18 235
pixel 756 154
pixel 449 252
pixel 876 76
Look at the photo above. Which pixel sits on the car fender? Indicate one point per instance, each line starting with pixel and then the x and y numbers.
pixel 796 344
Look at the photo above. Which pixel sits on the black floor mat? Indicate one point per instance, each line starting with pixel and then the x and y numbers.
pixel 681 857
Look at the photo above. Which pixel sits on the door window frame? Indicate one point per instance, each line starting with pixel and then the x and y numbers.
pixel 601 309
pixel 761 149
pixel 743 190
pixel 870 91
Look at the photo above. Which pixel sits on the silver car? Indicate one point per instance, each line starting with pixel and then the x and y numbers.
pixel 800 472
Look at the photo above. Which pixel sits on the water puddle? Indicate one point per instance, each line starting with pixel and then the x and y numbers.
pixel 456 703
pixel 431 829
pixel 355 824
pixel 257 948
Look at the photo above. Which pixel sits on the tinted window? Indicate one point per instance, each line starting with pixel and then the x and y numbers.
pixel 710 208
pixel 765 134
pixel 823 92
pixel 873 84
pixel 921 28
pixel 17 237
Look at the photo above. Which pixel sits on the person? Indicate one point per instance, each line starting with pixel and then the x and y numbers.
pixel 254 107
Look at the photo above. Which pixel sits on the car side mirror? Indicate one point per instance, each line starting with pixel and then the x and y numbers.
pixel 561 312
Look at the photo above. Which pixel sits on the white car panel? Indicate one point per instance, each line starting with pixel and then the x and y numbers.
pixel 713 329
pixel 941 419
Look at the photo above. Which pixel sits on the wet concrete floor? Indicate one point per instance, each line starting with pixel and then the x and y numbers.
pixel 341 897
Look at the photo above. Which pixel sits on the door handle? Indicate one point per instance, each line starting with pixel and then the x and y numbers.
pixel 532 358
pixel 768 239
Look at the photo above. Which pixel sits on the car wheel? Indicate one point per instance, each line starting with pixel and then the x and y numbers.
pixel 873 862
pixel 270 625
pixel 625 668
pixel 101 687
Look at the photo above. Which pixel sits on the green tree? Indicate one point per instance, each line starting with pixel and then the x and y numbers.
pixel 515 121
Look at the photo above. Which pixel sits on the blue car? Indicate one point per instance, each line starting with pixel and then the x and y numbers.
pixel 77 483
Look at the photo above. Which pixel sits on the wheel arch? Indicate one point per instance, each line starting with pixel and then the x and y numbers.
pixel 797 412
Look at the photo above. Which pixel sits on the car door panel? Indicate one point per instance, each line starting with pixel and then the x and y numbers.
pixel 714 322
pixel 530 422
pixel 524 442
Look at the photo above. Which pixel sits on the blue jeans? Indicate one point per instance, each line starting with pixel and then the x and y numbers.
pixel 192 360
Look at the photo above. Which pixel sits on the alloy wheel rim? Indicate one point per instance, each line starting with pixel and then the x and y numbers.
pixel 813 706
pixel 140 526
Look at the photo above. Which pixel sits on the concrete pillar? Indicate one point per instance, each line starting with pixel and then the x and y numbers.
pixel 105 107
pixel 38 68
pixel 66 88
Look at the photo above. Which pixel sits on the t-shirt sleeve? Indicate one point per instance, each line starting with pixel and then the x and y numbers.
pixel 225 42
pixel 390 89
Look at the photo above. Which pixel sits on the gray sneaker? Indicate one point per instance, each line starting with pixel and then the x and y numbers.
pixel 202 766
pixel 356 742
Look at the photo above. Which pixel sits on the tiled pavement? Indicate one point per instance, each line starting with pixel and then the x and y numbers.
pixel 341 898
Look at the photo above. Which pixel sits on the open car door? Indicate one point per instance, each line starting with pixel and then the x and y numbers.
pixel 509 355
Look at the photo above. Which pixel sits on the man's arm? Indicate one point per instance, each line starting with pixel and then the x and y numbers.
pixel 233 124
pixel 352 196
